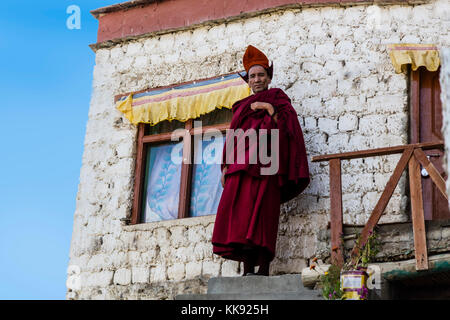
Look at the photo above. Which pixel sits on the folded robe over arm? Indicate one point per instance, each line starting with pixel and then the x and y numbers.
pixel 248 211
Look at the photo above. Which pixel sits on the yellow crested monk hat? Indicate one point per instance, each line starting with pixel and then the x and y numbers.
pixel 254 56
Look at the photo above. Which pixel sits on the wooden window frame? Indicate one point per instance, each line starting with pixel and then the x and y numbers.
pixel 145 141
pixel 142 143
pixel 414 104
pixel 415 84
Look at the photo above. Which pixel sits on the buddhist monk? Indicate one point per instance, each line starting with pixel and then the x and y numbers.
pixel 248 213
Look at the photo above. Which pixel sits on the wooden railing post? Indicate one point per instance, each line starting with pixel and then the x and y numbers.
pixel 336 212
pixel 418 221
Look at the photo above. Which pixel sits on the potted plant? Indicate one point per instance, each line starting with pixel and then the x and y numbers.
pixel 354 273
pixel 349 282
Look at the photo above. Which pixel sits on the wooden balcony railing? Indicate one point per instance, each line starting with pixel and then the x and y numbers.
pixel 412 155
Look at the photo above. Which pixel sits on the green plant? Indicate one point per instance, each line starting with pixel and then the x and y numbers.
pixel 366 253
pixel 330 281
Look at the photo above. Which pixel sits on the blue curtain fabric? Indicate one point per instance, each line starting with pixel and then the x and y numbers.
pixel 206 186
pixel 162 185
pixel 163 176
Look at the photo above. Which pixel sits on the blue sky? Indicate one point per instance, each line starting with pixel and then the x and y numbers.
pixel 45 85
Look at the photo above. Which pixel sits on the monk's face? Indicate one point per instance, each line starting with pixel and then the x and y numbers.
pixel 258 79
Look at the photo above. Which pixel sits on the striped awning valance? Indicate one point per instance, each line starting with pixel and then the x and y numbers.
pixel 183 102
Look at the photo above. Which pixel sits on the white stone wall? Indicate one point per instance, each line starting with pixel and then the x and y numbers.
pixel 331 61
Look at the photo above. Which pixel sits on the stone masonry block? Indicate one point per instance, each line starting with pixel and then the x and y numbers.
pixel 193 269
pixel 230 268
pixel 176 272
pixel 348 122
pixel 140 274
pixel 210 268
pixel 122 276
pixel 329 126
pixel 158 273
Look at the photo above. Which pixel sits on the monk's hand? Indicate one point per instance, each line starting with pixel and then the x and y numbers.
pixel 263 105
pixel 222 180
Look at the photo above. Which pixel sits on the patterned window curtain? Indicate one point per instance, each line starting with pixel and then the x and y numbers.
pixel 206 186
pixel 163 174
pixel 162 183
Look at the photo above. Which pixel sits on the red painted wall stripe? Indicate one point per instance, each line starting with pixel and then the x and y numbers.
pixel 121 21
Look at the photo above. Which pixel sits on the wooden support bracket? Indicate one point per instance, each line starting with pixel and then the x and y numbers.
pixel 384 199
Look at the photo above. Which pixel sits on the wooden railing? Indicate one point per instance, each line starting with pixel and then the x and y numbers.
pixel 412 155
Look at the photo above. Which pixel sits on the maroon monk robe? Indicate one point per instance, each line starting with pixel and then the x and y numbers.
pixel 249 208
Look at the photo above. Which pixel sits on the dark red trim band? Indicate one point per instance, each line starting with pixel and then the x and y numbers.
pixel 134 18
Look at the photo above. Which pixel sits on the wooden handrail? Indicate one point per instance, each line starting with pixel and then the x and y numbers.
pixel 412 155
pixel 377 152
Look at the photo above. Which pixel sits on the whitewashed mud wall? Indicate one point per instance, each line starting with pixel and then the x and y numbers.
pixel 334 65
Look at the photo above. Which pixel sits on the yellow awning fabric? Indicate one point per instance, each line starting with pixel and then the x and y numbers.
pixel 183 102
pixel 416 55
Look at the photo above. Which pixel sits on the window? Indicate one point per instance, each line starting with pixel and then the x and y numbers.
pixel 166 189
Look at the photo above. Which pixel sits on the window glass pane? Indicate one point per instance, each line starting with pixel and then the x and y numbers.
pixel 163 127
pixel 217 116
pixel 162 182
pixel 206 187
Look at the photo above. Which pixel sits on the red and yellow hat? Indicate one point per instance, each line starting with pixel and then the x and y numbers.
pixel 253 56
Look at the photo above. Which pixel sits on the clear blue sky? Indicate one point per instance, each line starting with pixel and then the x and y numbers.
pixel 45 85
